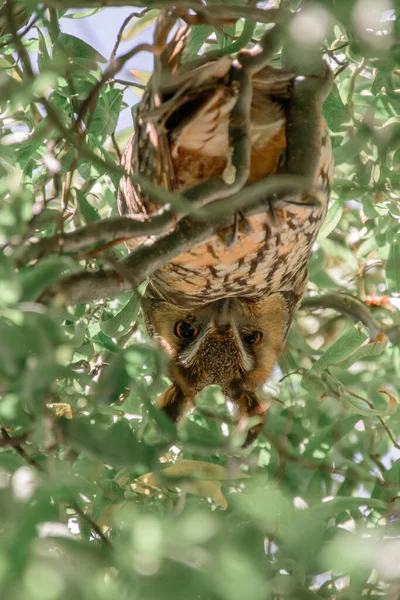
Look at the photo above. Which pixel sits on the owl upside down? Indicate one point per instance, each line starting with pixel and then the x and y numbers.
pixel 221 312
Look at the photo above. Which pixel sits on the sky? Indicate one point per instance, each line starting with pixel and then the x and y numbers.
pixel 100 31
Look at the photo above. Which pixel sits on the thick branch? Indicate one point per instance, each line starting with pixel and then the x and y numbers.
pixel 303 141
pixel 346 305
pixel 84 286
pixel 250 200
pixel 117 228
pixel 304 111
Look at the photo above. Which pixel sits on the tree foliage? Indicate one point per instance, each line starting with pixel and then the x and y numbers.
pixel 100 494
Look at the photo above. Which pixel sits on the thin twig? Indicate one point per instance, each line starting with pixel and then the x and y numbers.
pixel 370 405
pixel 114 67
pixel 220 12
pixel 352 85
pixel 38 467
pixel 19 46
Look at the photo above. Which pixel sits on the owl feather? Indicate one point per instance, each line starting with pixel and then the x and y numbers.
pixel 221 314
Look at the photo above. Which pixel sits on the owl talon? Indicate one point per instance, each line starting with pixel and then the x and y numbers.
pixel 270 202
pixel 247 228
pixel 251 406
pixel 231 240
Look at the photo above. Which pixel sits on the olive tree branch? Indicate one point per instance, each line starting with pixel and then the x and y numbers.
pixel 86 286
pixel 252 199
pixel 353 308
pixel 189 232
pixel 311 87
pixel 221 12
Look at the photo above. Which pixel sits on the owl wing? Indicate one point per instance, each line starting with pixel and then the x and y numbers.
pixel 182 130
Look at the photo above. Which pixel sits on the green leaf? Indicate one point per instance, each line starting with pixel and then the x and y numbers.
pixel 333 507
pixel 393 269
pixel 72 47
pixel 198 36
pixel 353 146
pixel 312 383
pixel 234 47
pixel 139 24
pixel 104 119
pixel 113 380
pixel 373 348
pixel 43 54
pixel 82 14
pixel 360 407
pixel 89 213
pixel 13 350
pixel 117 445
pixel 331 220
pixel 10 284
pixel 335 112
pixel 36 280
pixel 343 348
pixel 123 321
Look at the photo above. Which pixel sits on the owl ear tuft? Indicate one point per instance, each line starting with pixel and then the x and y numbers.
pixel 173 402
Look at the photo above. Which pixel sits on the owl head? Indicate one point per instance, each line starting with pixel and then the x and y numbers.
pixel 233 342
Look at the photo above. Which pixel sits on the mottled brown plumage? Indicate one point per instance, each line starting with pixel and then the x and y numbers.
pixel 222 313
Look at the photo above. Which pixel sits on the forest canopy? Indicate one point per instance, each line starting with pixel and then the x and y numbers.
pixel 100 494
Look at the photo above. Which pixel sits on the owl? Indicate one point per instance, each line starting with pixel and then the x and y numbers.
pixel 221 311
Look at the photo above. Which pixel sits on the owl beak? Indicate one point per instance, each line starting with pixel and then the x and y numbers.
pixel 223 315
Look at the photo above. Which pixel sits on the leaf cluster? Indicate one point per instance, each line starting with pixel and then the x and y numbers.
pixel 100 494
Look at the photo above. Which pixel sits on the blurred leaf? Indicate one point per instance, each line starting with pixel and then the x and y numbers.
pixel 361 408
pixel 393 269
pixel 116 446
pixel 82 14
pixel 142 76
pixel 113 380
pixel 72 47
pixel 204 479
pixel 10 285
pixel 37 279
pixel 343 348
pixel 122 322
pixel 335 112
pixel 89 213
pixel 331 220
pixel 139 24
pixel 353 146
pixel 312 383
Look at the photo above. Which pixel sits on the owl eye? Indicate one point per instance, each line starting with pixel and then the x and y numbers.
pixel 185 330
pixel 253 338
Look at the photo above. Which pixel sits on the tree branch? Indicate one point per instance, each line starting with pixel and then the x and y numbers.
pixel 221 12
pixel 255 197
pixel 38 467
pixel 304 109
pixel 142 262
pixel 114 229
pixel 346 305
pixel 296 177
